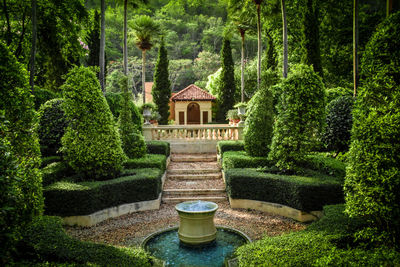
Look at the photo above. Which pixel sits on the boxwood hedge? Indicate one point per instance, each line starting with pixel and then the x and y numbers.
pixel 299 192
pixel 148 161
pixel 223 146
pixel 158 147
pixel 69 198
pixel 240 159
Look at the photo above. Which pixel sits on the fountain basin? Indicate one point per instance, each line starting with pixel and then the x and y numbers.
pixel 196 222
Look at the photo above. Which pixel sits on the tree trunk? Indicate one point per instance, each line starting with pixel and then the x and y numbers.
pixel 259 46
pixel 144 75
pixel 355 46
pixel 242 34
pixel 125 52
pixel 389 7
pixel 102 45
pixel 285 40
pixel 5 10
pixel 33 47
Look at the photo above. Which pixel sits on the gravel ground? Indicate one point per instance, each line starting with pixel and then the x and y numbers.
pixel 131 229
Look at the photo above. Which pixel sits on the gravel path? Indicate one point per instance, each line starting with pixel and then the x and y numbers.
pixel 131 229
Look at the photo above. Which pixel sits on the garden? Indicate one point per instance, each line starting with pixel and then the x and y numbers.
pixel 311 177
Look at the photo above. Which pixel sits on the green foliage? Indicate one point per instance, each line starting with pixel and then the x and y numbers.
pixel 46 240
pixel 226 87
pixel 333 93
pixel 149 161
pixel 145 30
pixel 339 121
pixel 259 124
pixel 47 160
pixel 20 182
pixel 240 159
pixel 56 171
pixel 83 198
pixel 93 40
pixel 91 143
pixel 42 96
pixel 299 192
pixel 158 147
pixel 115 100
pixel 132 140
pixel 301 113
pixel 162 86
pixel 232 114
pixel 323 164
pixel 52 125
pixel 373 175
pixel 326 242
pixel 223 146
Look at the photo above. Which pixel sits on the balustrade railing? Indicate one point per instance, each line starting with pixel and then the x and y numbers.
pixel 212 132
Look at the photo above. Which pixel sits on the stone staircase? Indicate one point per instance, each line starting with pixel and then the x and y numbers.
pixel 193 177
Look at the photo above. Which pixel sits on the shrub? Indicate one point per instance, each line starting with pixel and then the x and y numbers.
pixel 52 125
pixel 158 147
pixel 132 140
pixel 22 191
pixel 55 172
pixel 258 124
pixel 298 192
pixel 42 96
pixel 240 159
pixel 333 93
pixel 91 143
pixel 48 160
pixel 223 146
pixel 148 161
pixel 47 240
pixel 327 165
pixel 115 100
pixel 300 117
pixel 339 121
pixel 373 175
pixel 83 198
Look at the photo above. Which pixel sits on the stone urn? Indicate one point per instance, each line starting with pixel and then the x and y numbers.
pixel 147 115
pixel 196 222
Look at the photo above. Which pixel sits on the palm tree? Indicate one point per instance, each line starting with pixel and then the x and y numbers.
pixel 102 45
pixel 258 5
pixel 33 47
pixel 285 40
pixel 144 30
pixel 355 46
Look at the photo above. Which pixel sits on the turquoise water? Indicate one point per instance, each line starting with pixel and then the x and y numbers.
pixel 166 246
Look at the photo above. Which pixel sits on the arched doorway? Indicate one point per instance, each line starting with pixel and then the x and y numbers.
pixel 193 113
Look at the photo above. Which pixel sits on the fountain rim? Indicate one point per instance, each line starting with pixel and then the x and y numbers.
pixel 197 211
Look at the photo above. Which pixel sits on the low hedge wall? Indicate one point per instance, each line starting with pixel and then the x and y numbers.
pixel 57 171
pixel 223 146
pixel 148 161
pixel 158 147
pixel 45 240
pixel 240 159
pixel 69 198
pixel 298 192
pixel 327 242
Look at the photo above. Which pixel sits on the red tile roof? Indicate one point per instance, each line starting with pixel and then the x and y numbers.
pixel 193 93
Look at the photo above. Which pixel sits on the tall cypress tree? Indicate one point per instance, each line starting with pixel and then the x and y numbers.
pixel 93 41
pixel 312 54
pixel 227 86
pixel 162 86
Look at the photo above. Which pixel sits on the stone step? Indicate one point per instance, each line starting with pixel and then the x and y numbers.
pixel 195 176
pixel 185 192
pixel 193 198
pixel 194 158
pixel 194 171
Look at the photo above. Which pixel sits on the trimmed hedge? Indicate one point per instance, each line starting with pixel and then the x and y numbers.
pixel 223 146
pixel 42 96
pixel 327 242
pixel 48 160
pixel 148 161
pixel 299 192
pixel 56 171
pixel 327 165
pixel 158 147
pixel 46 240
pixel 68 198
pixel 240 159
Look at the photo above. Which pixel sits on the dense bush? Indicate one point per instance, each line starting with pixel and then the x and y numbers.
pixel 115 100
pixel 240 159
pixel 300 118
pixel 223 146
pixel 327 165
pixel 46 240
pixel 69 199
pixel 299 192
pixel 327 242
pixel 48 160
pixel 132 140
pixel 158 147
pixel 56 171
pixel 42 96
pixel 52 125
pixel 148 161
pixel 91 143
pixel 259 124
pixel 339 120
pixel 333 93
pixel 373 176
pixel 22 194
